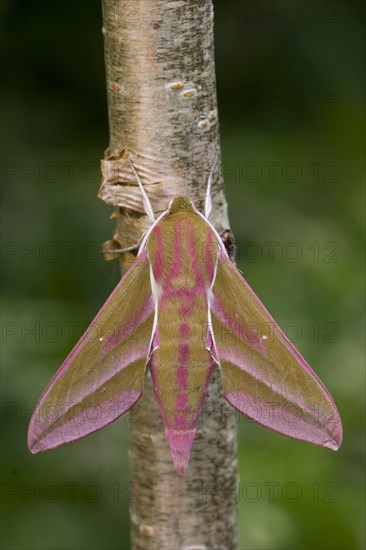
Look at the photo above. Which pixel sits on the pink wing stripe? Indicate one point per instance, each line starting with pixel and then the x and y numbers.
pixel 123 362
pixel 269 320
pixel 268 395
pixel 287 419
pixel 268 317
pixel 97 321
pixel 249 333
pixel 80 422
pixel 93 387
pixel 126 330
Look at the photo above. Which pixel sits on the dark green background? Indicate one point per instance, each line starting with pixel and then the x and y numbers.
pixel 290 79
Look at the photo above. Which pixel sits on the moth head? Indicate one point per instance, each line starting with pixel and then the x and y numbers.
pixel 181 204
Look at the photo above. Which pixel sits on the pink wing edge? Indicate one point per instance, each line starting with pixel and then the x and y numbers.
pixel 239 405
pixel 131 396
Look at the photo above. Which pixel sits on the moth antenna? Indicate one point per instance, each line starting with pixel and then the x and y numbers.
pixel 208 200
pixel 145 199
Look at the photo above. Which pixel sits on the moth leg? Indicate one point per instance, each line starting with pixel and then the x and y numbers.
pixel 227 237
pixel 123 250
pixel 111 250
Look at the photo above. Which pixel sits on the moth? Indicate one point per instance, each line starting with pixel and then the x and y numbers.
pixel 181 310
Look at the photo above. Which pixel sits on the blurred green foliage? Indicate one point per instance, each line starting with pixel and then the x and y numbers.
pixel 290 80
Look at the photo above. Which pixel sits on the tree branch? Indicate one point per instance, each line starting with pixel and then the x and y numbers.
pixel 162 105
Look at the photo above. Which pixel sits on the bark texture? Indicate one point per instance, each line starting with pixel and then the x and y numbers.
pixel 162 106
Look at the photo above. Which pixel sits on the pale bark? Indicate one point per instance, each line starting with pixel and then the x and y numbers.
pixel 162 106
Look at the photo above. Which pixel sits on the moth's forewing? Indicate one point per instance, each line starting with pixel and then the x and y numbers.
pixel 264 375
pixel 103 376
